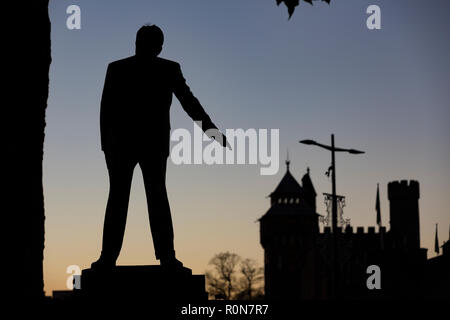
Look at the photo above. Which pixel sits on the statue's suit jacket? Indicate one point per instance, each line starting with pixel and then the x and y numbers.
pixel 135 106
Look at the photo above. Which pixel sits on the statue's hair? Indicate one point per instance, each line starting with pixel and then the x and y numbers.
pixel 150 33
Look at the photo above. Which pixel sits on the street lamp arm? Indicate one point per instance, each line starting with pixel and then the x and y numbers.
pixel 341 150
pixel 308 142
pixel 314 143
pixel 325 146
pixel 353 151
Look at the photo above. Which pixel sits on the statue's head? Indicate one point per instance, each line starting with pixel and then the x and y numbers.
pixel 149 41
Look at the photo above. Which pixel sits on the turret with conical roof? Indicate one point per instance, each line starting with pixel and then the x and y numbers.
pixel 289 197
pixel 287 233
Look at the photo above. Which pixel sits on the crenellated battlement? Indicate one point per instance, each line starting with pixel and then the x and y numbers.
pixel 359 230
pixel 403 189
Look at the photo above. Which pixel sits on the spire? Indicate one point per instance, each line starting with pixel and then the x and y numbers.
pixel 377 206
pixel 288 185
pixel 436 241
pixel 288 162
pixel 378 209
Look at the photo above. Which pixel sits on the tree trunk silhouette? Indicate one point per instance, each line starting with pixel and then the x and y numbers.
pixel 27 48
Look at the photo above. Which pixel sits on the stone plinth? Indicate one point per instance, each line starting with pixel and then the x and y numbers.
pixel 137 283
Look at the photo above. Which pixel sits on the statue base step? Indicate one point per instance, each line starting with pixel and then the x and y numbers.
pixel 137 283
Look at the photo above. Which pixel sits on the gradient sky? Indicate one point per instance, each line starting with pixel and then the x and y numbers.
pixel 386 92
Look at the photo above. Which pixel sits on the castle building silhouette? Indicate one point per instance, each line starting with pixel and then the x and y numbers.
pixel 298 255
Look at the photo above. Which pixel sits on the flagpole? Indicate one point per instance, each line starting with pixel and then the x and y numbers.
pixel 436 241
pixel 378 209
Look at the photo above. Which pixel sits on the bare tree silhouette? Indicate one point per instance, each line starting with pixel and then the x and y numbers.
pixel 222 283
pixel 234 278
pixel 251 280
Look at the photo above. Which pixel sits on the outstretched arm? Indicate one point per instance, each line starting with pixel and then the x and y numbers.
pixel 193 107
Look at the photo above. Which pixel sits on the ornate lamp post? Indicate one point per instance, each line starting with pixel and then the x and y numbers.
pixel 334 218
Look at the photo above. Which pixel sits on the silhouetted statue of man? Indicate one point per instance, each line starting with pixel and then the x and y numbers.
pixel 135 129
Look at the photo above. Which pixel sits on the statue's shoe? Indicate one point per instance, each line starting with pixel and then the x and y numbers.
pixel 103 264
pixel 171 262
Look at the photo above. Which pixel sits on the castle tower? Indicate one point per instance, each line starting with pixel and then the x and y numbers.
pixel 404 214
pixel 287 234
